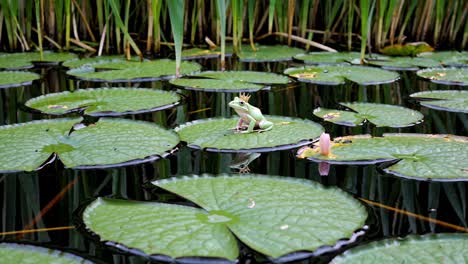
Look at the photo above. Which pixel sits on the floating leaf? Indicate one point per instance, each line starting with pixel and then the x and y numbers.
pixel 198 53
pixel 107 143
pixel 381 115
pixel 428 249
pixel 273 215
pixel 217 134
pixel 449 100
pixel 22 253
pixel 105 101
pixel 326 57
pixel 420 156
pixel 76 63
pixel 25 60
pixel 131 71
pixel 217 85
pixel 269 53
pixel 10 79
pixel 335 75
pixel 409 49
pixel 245 76
pixel 449 76
pixel 448 58
pixel 404 63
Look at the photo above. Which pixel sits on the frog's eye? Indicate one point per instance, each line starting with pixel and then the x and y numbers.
pixel 241 103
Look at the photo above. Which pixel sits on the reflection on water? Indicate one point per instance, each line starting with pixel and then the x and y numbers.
pixel 49 198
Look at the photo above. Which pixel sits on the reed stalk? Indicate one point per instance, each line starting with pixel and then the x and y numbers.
pixel 176 14
pixel 221 11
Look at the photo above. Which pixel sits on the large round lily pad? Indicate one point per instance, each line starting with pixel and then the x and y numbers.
pixel 230 81
pixel 131 71
pixel 76 63
pixel 428 249
pixel 22 253
pixel 326 57
pixel 449 76
pixel 273 215
pixel 105 101
pixel 24 60
pixel 335 75
pixel 109 142
pixel 198 53
pixel 381 115
pixel 268 53
pixel 447 58
pixel 404 63
pixel 419 156
pixel 449 100
pixel 10 79
pixel 217 134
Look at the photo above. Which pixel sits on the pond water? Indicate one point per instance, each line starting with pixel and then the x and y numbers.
pixel 51 197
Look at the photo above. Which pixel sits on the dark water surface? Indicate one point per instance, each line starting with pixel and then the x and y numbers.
pixel 50 198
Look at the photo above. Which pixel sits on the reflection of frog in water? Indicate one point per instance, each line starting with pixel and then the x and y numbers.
pixel 250 116
pixel 242 160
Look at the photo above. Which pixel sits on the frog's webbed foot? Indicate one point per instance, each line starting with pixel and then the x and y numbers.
pixel 245 169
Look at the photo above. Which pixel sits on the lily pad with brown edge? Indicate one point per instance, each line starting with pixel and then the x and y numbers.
pixel 199 53
pixel 24 253
pixel 9 79
pixel 444 248
pixel 110 142
pixel 381 115
pixel 448 58
pixel 105 101
pixel 329 58
pixel 404 63
pixel 273 215
pixel 219 135
pixel 448 76
pixel 417 156
pixel 264 53
pixel 26 60
pixel 335 75
pixel 448 100
pixel 131 71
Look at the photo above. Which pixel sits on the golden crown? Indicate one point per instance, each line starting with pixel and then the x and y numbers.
pixel 244 97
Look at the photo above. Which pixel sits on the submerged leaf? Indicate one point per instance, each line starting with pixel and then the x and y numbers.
pixel 22 253
pixel 428 249
pixel 105 101
pixel 449 100
pixel 449 76
pixel 381 115
pixel 24 60
pixel 269 53
pixel 335 75
pixel 10 79
pixel 420 156
pixel 409 49
pixel 217 134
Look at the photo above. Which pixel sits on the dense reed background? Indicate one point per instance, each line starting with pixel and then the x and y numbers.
pixel 138 26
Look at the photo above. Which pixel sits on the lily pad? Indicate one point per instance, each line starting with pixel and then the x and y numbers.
pixel 335 75
pixel 109 142
pixel 381 115
pixel 418 156
pixel 449 100
pixel 325 57
pixel 198 53
pixel 105 101
pixel 131 71
pixel 448 58
pixel 273 215
pixel 269 53
pixel 10 79
pixel 404 63
pixel 217 134
pixel 449 76
pixel 22 253
pixel 76 63
pixel 25 60
pixel 443 248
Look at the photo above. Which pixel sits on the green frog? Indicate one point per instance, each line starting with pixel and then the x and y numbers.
pixel 250 116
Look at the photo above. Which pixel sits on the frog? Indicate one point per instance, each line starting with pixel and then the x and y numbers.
pixel 250 116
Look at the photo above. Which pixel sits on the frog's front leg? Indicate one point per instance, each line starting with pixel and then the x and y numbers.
pixel 265 125
pixel 252 123
pixel 240 125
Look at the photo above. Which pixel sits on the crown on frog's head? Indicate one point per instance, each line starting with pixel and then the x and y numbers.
pixel 244 97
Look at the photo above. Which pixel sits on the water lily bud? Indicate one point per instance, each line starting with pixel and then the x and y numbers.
pixel 325 144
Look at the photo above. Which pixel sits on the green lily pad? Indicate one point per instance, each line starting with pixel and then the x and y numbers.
pixel 381 115
pixel 404 63
pixel 449 76
pixel 326 57
pixel 10 79
pixel 419 156
pixel 213 85
pixel 198 53
pixel 335 75
pixel 428 249
pixel 109 142
pixel 245 76
pixel 105 101
pixel 273 215
pixel 76 63
pixel 131 71
pixel 22 253
pixel 449 100
pixel 217 134
pixel 448 58
pixel 269 53
pixel 25 60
